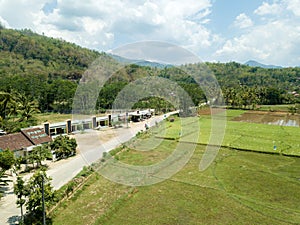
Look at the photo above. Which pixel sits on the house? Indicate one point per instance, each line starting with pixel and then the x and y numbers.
pixel 36 135
pixel 24 141
pixel 15 142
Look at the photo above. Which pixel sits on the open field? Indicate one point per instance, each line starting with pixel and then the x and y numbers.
pixel 240 187
pixel 245 136
pixel 52 117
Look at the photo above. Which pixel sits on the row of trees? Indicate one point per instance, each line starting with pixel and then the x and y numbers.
pixel 50 94
pixel 250 97
pixel 233 74
pixel 37 190
pixel 37 194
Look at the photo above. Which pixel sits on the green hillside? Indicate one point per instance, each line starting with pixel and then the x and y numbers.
pixel 44 69
pixel 24 53
pixel 47 70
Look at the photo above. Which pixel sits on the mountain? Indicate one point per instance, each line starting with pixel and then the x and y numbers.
pixel 140 62
pixel 253 63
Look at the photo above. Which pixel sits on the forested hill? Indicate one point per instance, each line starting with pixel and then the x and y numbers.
pixel 47 70
pixel 23 52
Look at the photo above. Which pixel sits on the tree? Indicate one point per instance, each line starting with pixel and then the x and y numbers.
pixel 16 111
pixel 21 192
pixel 8 103
pixel 37 188
pixel 63 146
pixel 7 160
pixel 27 108
pixel 34 203
pixel 38 154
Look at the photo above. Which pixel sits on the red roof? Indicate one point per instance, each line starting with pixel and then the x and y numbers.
pixel 36 135
pixel 26 138
pixel 14 142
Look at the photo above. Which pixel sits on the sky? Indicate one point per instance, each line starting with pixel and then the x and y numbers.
pixel 214 30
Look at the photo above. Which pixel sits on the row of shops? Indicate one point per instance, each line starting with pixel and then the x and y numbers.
pixel 94 122
pixel 30 137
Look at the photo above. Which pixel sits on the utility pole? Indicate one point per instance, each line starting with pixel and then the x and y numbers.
pixel 43 201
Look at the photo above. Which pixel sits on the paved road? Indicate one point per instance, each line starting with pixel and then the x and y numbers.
pixel 91 145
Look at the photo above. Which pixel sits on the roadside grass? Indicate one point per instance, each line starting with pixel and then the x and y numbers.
pixel 240 187
pixel 93 200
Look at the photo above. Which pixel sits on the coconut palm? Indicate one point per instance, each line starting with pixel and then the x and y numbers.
pixel 27 108
pixel 8 103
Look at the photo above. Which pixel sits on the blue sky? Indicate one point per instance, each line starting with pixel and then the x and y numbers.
pixel 215 30
pixel 224 12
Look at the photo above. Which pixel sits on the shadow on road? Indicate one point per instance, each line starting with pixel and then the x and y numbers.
pixel 13 220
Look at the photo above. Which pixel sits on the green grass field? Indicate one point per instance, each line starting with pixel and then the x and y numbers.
pixel 242 135
pixel 239 187
pixel 52 117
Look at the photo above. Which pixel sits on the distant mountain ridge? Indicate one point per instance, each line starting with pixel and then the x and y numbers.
pixel 140 62
pixel 257 64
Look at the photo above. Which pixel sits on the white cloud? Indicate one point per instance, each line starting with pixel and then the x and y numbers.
pixel 267 8
pixel 20 13
pixel 243 21
pixel 294 6
pixel 271 35
pixel 273 38
pixel 101 24
pixel 274 43
pixel 4 23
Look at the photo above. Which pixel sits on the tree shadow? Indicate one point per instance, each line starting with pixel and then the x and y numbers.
pixel 13 220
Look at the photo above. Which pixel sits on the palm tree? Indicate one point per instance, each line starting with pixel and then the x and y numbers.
pixel 27 108
pixel 8 103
